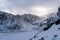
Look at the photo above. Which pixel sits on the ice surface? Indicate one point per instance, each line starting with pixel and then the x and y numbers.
pixel 47 35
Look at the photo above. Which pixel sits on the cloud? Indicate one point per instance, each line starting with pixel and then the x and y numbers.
pixel 27 6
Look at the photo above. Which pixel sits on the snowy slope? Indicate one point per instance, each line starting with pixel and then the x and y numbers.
pixel 49 34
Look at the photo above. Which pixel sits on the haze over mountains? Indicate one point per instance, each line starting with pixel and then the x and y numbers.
pixel 26 22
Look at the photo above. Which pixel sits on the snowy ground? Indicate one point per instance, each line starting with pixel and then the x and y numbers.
pixel 47 35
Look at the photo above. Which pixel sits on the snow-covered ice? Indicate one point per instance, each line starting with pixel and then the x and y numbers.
pixel 47 35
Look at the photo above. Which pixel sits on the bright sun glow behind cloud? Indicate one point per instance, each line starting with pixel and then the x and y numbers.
pixel 41 10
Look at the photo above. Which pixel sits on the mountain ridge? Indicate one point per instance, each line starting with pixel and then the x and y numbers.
pixel 26 22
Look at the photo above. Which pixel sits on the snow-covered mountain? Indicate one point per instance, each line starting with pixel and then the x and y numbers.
pixel 10 22
pixel 26 22
pixel 38 28
pixel 49 28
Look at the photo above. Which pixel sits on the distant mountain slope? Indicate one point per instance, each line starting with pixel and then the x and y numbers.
pixel 10 22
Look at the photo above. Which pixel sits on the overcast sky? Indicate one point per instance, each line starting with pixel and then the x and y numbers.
pixel 37 7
